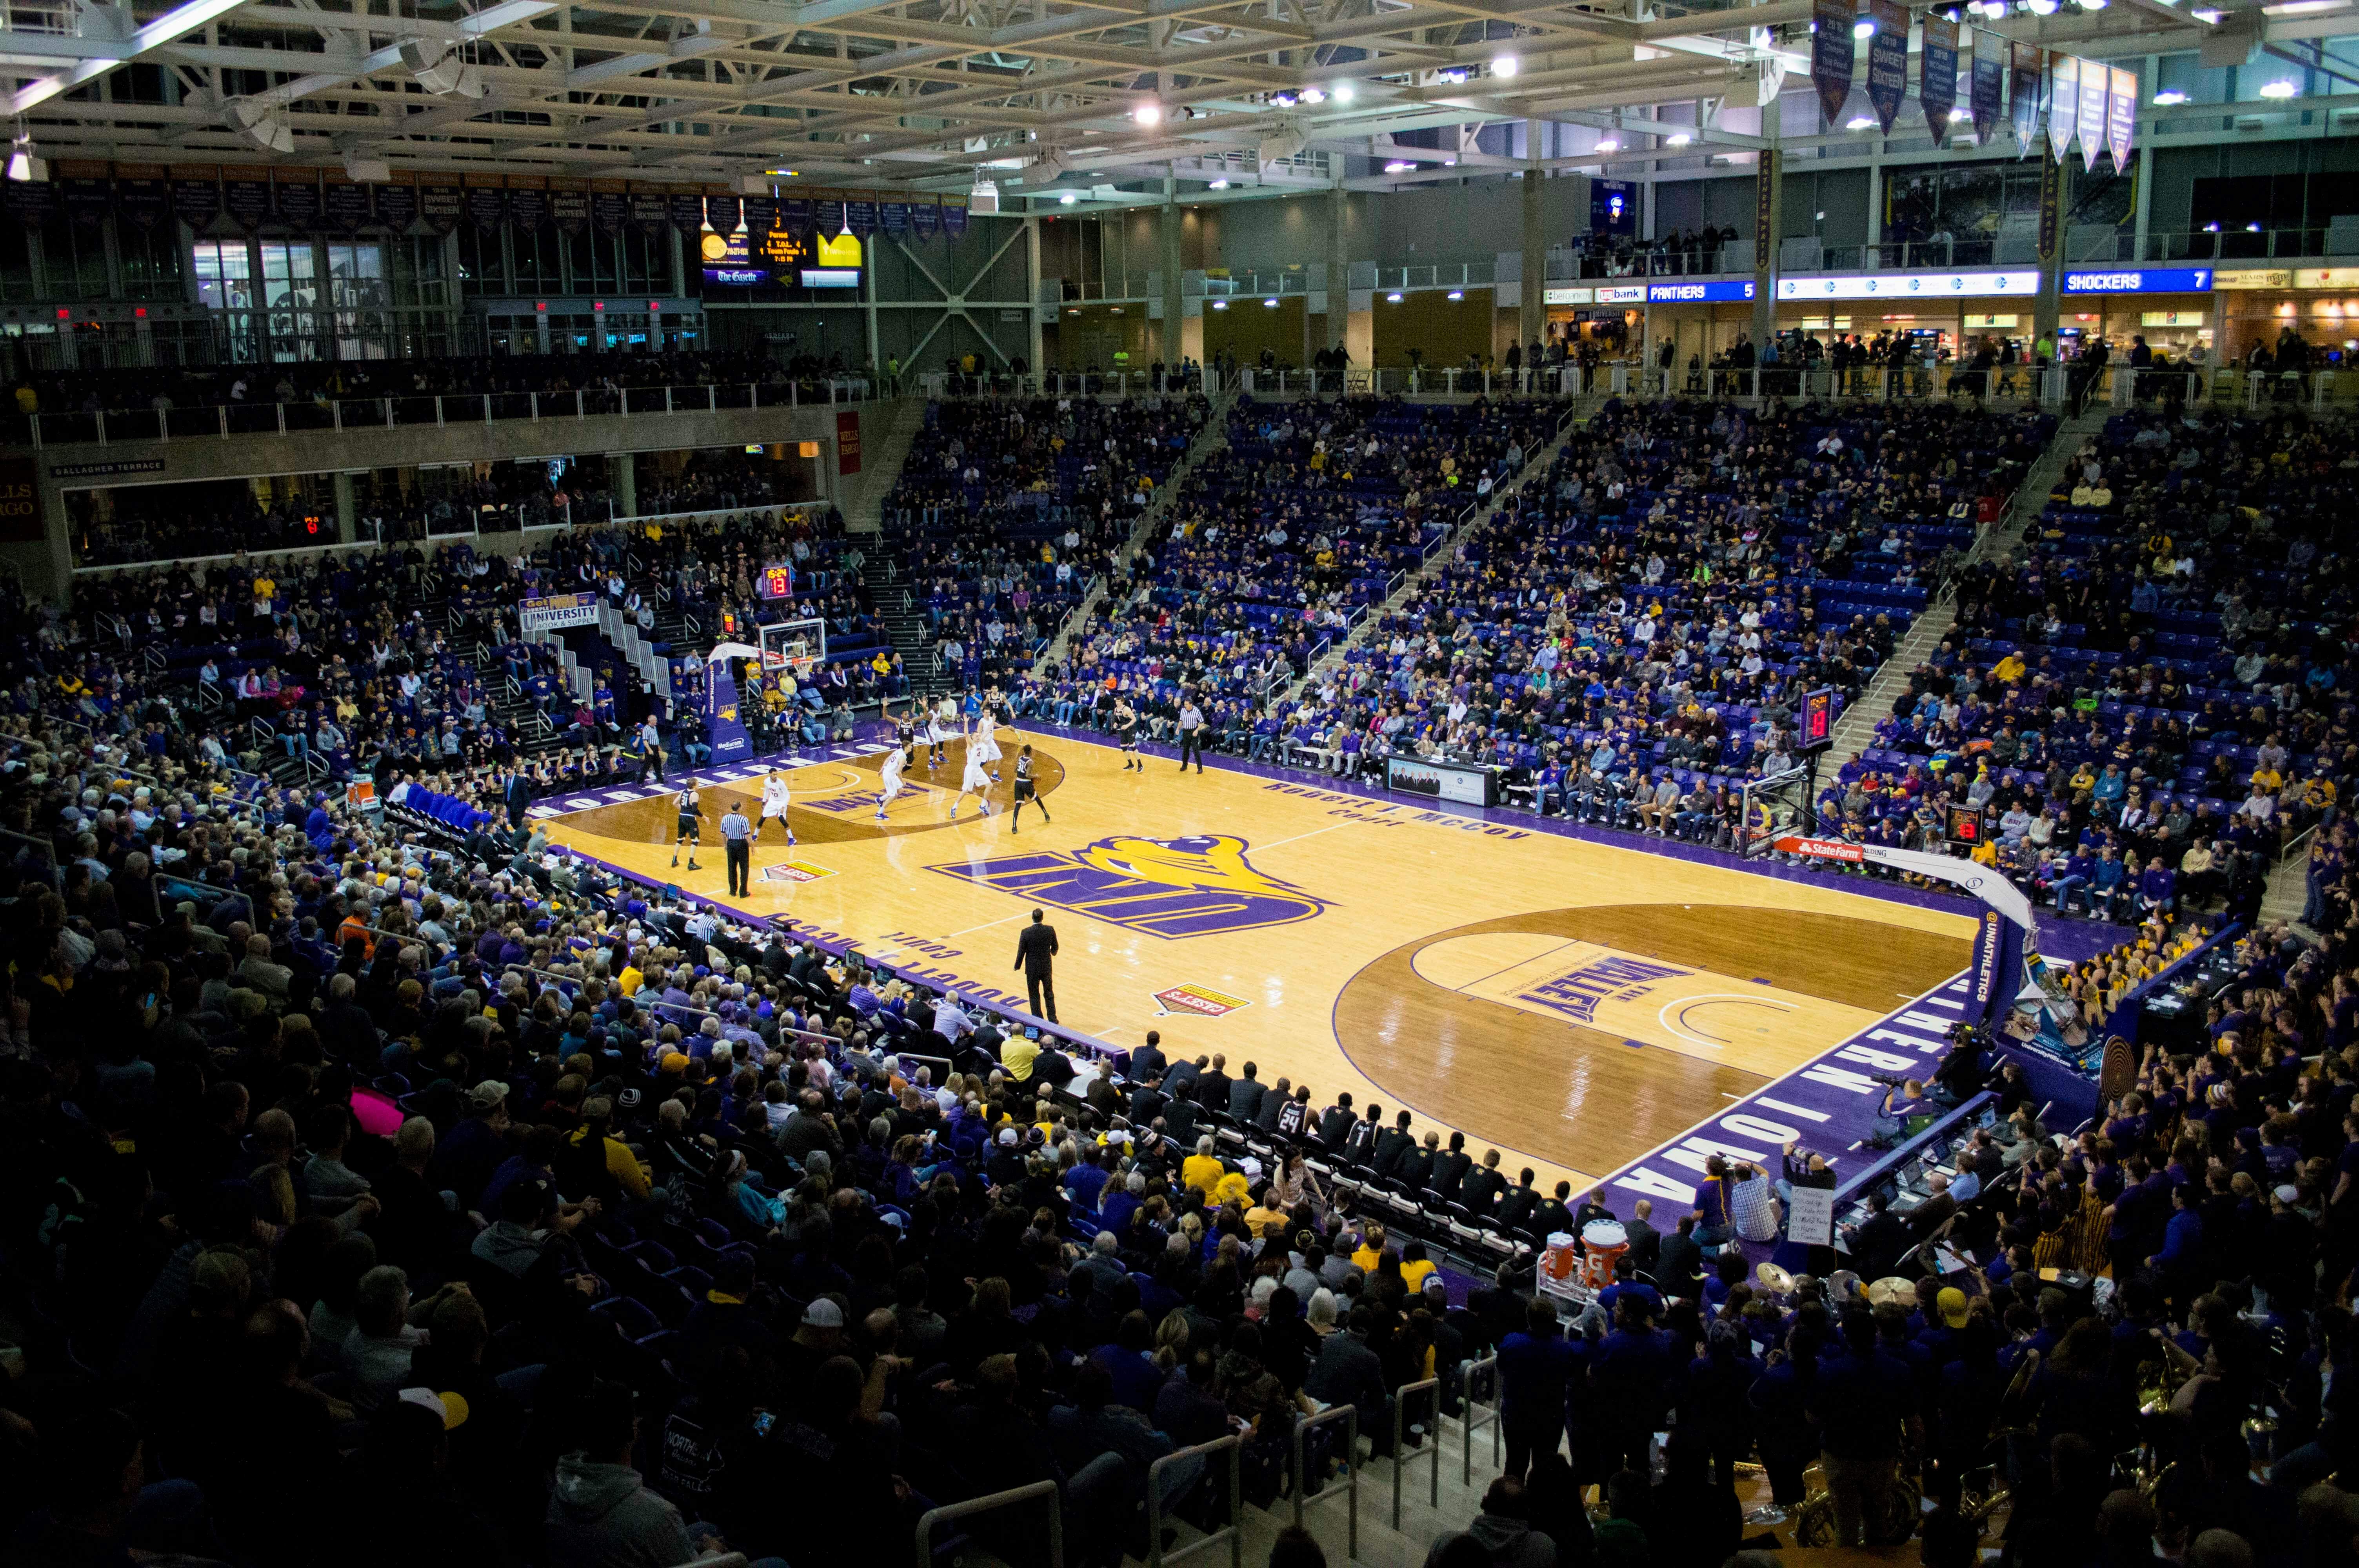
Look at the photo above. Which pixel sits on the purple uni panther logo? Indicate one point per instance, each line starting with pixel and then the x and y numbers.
pixel 1196 886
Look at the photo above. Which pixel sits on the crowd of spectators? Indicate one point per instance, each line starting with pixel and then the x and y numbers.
pixel 1008 510
pixel 2151 699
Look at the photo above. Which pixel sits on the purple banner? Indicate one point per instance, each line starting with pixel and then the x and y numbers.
pixel 828 216
pixel 2031 81
pixel 794 215
pixel 1887 61
pixel 396 208
pixel 2093 84
pixel 441 204
pixel 1834 52
pixel 142 203
pixel 687 213
pixel 649 212
pixel 953 219
pixel 88 201
pixel 247 202
pixel 926 218
pixel 31 202
pixel 196 202
pixel 346 205
pixel 762 216
pixel 529 209
pixel 487 206
pixel 2064 102
pixel 1937 76
pixel 894 217
pixel 2121 124
pixel 298 201
pixel 861 217
pixel 609 209
pixel 1988 90
pixel 569 208
pixel 724 212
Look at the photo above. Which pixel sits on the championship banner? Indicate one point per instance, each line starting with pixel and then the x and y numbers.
pixel 894 217
pixel 763 216
pixel 862 218
pixel 1987 91
pixel 527 205
pixel 442 201
pixel 2120 123
pixel 142 196
pixel 90 196
pixel 610 205
pixel 247 202
pixel 2095 84
pixel 2025 62
pixel 954 220
pixel 569 206
pixel 723 213
pixel 556 609
pixel 345 204
pixel 926 218
pixel 1833 52
pixel 296 192
pixel 196 198
pixel 396 206
pixel 487 201
pixel 1887 61
pixel 31 202
pixel 650 211
pixel 2064 102
pixel 687 213
pixel 1937 76
pixel 791 214
pixel 827 216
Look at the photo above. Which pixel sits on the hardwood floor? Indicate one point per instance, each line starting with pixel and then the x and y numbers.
pixel 1571 1004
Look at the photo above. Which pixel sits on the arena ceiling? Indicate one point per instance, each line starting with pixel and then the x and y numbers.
pixel 927 95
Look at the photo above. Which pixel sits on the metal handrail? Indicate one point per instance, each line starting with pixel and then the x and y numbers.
pixel 1400 1433
pixel 1008 1498
pixel 1233 1532
pixel 1350 1416
pixel 1469 1425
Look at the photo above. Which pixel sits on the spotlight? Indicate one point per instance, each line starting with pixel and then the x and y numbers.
pixel 1220 185
pixel 1220 305
pixel 1678 139
pixel 1313 95
pixel 1067 200
pixel 1269 303
pixel 2169 96
pixel 1456 294
pixel 23 167
pixel 1345 92
pixel 1148 114
pixel 1506 65
pixel 1860 123
pixel 1960 116
pixel 1399 165
pixel 1863 28
pixel 267 132
pixel 1609 144
pixel 1392 298
pixel 2281 89
pixel 1283 100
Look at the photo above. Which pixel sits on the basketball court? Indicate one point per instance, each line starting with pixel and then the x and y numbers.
pixel 1572 1003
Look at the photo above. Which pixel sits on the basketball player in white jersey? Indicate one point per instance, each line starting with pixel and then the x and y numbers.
pixel 940 728
pixel 776 797
pixel 894 759
pixel 975 782
pixel 982 745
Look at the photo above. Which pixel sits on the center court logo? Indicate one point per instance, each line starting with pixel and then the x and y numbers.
pixel 1172 888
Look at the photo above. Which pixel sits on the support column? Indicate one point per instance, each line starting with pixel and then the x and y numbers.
pixel 1769 222
pixel 622 468
pixel 1339 265
pixel 1532 318
pixel 1170 269
pixel 348 530
pixel 1032 290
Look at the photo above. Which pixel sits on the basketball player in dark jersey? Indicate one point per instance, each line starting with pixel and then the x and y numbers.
pixel 1026 792
pixel 904 735
pixel 691 829
pixel 1126 725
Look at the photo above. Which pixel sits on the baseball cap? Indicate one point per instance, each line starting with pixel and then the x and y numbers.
pixel 822 1313
pixel 1952 1303
pixel 487 1094
pixel 674 1062
pixel 450 1407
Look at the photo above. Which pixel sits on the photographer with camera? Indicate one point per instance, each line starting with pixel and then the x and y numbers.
pixel 1960 1075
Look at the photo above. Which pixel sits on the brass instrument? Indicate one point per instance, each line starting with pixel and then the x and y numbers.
pixel 2014 1413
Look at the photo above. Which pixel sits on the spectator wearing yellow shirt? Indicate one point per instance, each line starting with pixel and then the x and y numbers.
pixel 1202 1170
pixel 630 979
pixel 1017 1055
pixel 2009 670
pixel 1415 1267
pixel 597 1113
pixel 1371 1250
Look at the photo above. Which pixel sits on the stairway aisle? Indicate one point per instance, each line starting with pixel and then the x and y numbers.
pixel 1856 729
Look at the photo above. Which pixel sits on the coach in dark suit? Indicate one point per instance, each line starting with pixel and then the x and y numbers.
pixel 1034 951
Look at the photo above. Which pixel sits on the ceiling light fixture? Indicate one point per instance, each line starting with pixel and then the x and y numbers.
pixel 1678 139
pixel 1345 92
pixel 1399 165
pixel 1506 65
pixel 1220 305
pixel 2169 96
pixel 1960 116
pixel 1220 185
pixel 1067 200
pixel 1456 294
pixel 1609 145
pixel 1863 28
pixel 2281 88
pixel 1313 95
pixel 1860 123
pixel 1392 298
pixel 23 167
pixel 1149 113
pixel 1269 303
